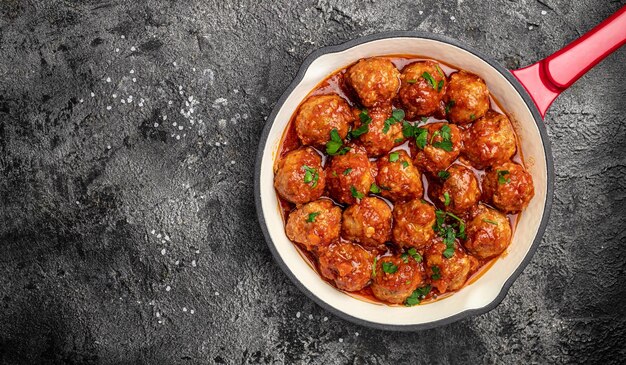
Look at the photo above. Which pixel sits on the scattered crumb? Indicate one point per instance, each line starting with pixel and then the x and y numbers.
pixel 133 49
pixel 192 311
pixel 163 252
pixel 217 294
pixel 108 107
pixel 543 12
pixel 193 263
pixel 325 319
pixel 452 17
pixel 184 309
pixel 108 79
pixel 298 315
pixel 168 288
pixel 341 340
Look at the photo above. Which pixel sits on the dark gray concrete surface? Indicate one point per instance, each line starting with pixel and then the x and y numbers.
pixel 128 233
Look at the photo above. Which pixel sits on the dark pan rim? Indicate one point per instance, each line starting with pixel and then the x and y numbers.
pixel 549 165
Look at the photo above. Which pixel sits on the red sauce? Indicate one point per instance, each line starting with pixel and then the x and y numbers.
pixel 335 84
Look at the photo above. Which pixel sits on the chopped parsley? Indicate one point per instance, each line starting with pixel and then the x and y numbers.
pixel 398 140
pixel 490 221
pixel 501 177
pixel 443 175
pixel 450 104
pixel 440 86
pixel 449 230
pixel 405 257
pixel 421 138
pixel 310 176
pixel 414 254
pixel 394 156
pixel 311 218
pixel 355 193
pixel 472 117
pixel 430 80
pixel 396 117
pixel 439 70
pixel 446 198
pixel 374 266
pixel 347 171
pixel 374 189
pixel 446 138
pixel 389 267
pixel 398 114
pixel 411 81
pixel 436 273
pixel 417 295
pixel 405 164
pixel 365 122
pixel 335 145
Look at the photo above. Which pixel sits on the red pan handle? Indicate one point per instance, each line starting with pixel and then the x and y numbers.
pixel 546 79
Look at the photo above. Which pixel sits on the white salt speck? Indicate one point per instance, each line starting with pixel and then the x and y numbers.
pixel 174 63
pixel 160 322
pixel 157 314
pixel 543 12
pixel 162 241
pixel 341 340
pixel 92 94
pixel 325 319
pixel 114 96
pixel 156 125
pixel 192 311
pixel 129 99
pixel 81 100
pixel 177 136
pixel 421 12
pixel 310 316
pixel 163 252
pixel 356 334
pixel 133 49
pixel 168 288
pixel 530 27
pixel 165 117
pixel 108 107
pixel 166 237
pixel 159 235
pixel 193 69
pixel 132 71
pixel 184 309
pixel 263 99
pixel 190 99
pixel 108 147
pixel 232 162
pixel 134 79
pixel 177 262
pixel 452 17
pixel 117 50
pixel 174 124
pixel 245 116
pixel 217 144
pixel 169 102
pixel 123 36
pixel 217 294
pixel 180 127
pixel 193 263
pixel 108 79
pixel 298 315
pixel 221 123
pixel 152 231
pixel 123 101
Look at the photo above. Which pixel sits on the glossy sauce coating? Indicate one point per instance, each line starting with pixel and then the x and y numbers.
pixel 383 230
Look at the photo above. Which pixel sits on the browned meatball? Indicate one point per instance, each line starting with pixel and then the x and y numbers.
pixel 397 178
pixel 459 191
pixel 348 265
pixel 299 177
pixel 422 89
pixel 315 224
pixel 383 133
pixel 467 98
pixel 488 233
pixel 442 147
pixel 509 187
pixel 319 115
pixel 368 223
pixel 395 280
pixel 349 176
pixel 375 80
pixel 447 274
pixel 490 140
pixel 413 224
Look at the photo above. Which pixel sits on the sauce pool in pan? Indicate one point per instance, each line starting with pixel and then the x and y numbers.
pixel 400 179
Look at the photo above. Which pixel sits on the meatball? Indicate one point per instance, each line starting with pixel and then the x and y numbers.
pixel 382 135
pixel 319 115
pixel 397 178
pixel 395 280
pixel 490 140
pixel 488 233
pixel 443 145
pixel 368 223
pixel 422 89
pixel 299 177
pixel 349 176
pixel 413 224
pixel 459 191
pixel 467 98
pixel 375 80
pixel 348 265
pixel 508 187
pixel 447 274
pixel 315 224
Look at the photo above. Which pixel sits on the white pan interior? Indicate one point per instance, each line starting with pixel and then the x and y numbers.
pixel 476 295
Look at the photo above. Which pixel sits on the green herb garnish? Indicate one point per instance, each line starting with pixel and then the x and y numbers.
pixel 334 146
pixel 374 267
pixel 501 177
pixel 347 171
pixel 417 295
pixel 490 221
pixel 374 189
pixel 446 138
pixel 389 267
pixel 394 156
pixel 446 198
pixel 365 122
pixel 439 70
pixel 411 81
pixel 414 254
pixel 436 273
pixel 311 218
pixel 310 175
pixel 355 193
pixel 450 104
pixel 405 164
pixel 443 175
pixel 430 79
pixel 421 138
pixel 440 86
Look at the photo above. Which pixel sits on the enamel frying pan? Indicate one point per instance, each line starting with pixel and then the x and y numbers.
pixel 525 95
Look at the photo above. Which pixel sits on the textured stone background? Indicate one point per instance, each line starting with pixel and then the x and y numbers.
pixel 128 234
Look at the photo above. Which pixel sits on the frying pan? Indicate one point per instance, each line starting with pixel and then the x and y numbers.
pixel 525 95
